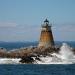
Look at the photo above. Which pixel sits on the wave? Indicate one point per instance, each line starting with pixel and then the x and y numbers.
pixel 9 60
pixel 65 56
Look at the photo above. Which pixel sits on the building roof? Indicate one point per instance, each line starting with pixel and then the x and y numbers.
pixel 46 20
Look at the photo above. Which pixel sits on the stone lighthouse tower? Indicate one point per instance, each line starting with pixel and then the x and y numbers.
pixel 46 37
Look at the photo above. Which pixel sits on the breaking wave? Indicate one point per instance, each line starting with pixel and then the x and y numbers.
pixel 9 60
pixel 65 56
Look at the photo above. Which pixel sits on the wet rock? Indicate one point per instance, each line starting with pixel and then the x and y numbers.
pixel 27 60
pixel 37 58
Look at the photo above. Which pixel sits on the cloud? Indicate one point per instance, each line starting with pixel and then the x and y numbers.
pixel 16 32
pixel 66 27
pixel 7 24
pixel 65 32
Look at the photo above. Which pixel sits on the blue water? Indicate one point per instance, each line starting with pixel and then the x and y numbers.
pixel 17 45
pixel 31 69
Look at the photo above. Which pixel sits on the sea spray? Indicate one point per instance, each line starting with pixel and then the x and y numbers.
pixel 9 60
pixel 64 56
pixel 66 51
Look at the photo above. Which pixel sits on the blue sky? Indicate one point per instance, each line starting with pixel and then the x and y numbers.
pixel 20 20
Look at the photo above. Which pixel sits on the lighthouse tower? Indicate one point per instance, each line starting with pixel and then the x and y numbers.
pixel 46 37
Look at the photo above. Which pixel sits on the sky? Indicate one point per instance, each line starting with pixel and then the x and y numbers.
pixel 20 20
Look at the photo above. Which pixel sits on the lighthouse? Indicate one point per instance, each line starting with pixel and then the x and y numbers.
pixel 46 37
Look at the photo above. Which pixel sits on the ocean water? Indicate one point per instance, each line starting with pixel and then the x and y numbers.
pixel 35 69
pixel 32 69
pixel 17 45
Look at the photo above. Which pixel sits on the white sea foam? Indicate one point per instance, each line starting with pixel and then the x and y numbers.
pixel 65 56
pixel 9 60
pixel 66 52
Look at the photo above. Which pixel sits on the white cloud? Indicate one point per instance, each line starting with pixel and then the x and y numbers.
pixel 65 32
pixel 19 32
pixel 14 32
pixel 7 24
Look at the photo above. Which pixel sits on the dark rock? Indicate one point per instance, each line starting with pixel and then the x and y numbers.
pixel 37 58
pixel 27 60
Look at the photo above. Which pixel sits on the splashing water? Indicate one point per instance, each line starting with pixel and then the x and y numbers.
pixel 66 52
pixel 65 56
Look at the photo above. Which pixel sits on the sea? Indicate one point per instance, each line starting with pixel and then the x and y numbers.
pixel 35 69
pixel 17 45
